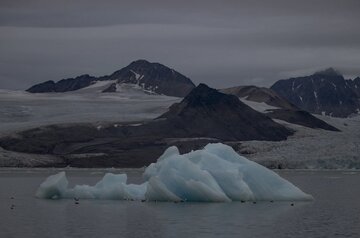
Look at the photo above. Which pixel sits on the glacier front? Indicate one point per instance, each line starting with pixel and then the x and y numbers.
pixel 214 174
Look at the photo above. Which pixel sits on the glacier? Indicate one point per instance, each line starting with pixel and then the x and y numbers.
pixel 214 174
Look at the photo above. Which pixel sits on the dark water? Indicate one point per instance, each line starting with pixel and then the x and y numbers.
pixel 334 213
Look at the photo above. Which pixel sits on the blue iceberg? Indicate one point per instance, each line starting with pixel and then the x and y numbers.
pixel 214 174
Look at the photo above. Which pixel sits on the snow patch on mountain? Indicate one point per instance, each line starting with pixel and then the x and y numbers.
pixel 96 87
pixel 258 106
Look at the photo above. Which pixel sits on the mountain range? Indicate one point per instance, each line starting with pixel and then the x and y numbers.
pixel 234 116
pixel 325 92
pixel 291 99
pixel 153 78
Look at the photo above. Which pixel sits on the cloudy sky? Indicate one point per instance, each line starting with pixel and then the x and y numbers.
pixel 222 43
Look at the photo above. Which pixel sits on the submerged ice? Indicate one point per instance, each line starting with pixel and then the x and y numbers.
pixel 214 174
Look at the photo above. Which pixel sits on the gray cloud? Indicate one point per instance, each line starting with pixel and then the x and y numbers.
pixel 222 43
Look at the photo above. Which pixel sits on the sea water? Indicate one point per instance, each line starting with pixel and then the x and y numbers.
pixel 335 212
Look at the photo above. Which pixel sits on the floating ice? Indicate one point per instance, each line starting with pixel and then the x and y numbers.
pixel 215 174
pixel 53 187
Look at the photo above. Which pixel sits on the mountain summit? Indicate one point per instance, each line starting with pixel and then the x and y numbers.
pixel 152 78
pixel 324 92
pixel 329 72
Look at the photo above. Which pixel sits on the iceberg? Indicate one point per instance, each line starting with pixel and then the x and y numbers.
pixel 214 174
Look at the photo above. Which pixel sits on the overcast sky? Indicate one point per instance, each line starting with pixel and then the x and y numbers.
pixel 221 43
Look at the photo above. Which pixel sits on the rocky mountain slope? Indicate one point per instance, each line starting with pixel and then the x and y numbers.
pixel 355 85
pixel 260 94
pixel 153 78
pixel 280 108
pixel 207 112
pixel 325 92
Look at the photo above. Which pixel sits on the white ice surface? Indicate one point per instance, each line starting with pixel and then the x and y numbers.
pixel 215 174
pixel 21 110
pixel 311 148
pixel 308 148
pixel 97 86
pixel 258 106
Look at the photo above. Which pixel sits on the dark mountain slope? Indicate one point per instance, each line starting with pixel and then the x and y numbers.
pixel 286 111
pixel 152 77
pixel 64 85
pixel 205 111
pixel 300 117
pixel 260 94
pixel 323 92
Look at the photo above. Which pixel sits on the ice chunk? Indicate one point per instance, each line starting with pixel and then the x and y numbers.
pixel 54 187
pixel 186 179
pixel 214 174
pixel 157 191
pixel 111 187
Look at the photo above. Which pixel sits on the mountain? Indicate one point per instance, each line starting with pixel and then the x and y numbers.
pixel 355 85
pixel 260 94
pixel 207 112
pixel 150 77
pixel 284 110
pixel 325 92
pixel 153 78
pixel 64 85
pixel 203 116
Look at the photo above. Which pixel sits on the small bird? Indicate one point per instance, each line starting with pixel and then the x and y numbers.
pixel 76 200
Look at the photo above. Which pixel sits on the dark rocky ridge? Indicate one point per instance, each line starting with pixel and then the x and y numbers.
pixel 300 117
pixel 151 77
pixel 260 94
pixel 64 85
pixel 203 116
pixel 323 92
pixel 286 112
pixel 355 85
